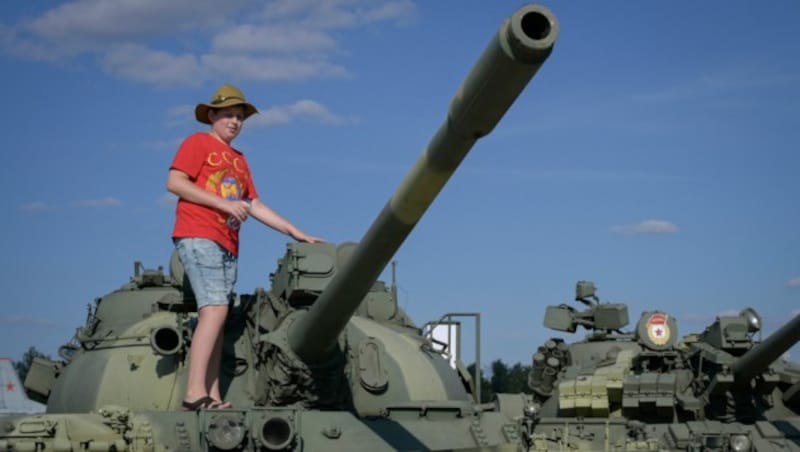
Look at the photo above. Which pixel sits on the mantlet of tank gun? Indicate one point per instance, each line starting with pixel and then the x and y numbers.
pixel 306 269
pixel 304 272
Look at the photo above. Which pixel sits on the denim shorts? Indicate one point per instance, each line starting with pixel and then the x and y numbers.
pixel 211 270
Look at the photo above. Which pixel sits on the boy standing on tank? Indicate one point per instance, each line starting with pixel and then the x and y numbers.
pixel 216 194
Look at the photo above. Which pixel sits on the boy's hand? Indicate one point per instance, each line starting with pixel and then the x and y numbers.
pixel 238 209
pixel 303 237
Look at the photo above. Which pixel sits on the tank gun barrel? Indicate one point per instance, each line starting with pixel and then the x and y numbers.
pixel 758 358
pixel 513 56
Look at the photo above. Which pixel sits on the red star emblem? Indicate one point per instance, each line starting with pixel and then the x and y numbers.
pixel 659 331
pixel 9 387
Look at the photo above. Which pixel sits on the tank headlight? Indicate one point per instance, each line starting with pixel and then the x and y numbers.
pixel 531 410
pixel 752 318
pixel 740 443
pixel 226 432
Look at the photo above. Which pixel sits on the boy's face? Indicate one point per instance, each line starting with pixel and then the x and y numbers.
pixel 226 123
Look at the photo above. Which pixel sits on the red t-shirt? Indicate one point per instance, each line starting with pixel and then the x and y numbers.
pixel 220 169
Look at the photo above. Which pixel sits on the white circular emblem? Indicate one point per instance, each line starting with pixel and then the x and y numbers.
pixel 657 329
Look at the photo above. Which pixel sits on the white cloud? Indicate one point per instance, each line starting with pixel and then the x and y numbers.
pixel 283 9
pixel 184 42
pixel 99 203
pixel 793 282
pixel 87 21
pixel 338 14
pixel 280 38
pixel 399 10
pixel 138 63
pixel 25 48
pixel 263 69
pixel 646 227
pixel 36 206
pixel 303 109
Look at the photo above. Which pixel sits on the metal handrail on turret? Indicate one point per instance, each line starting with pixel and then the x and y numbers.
pixel 447 319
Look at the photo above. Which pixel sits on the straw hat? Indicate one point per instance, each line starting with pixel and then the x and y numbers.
pixel 226 96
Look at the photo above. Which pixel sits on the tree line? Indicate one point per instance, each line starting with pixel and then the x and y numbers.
pixel 502 378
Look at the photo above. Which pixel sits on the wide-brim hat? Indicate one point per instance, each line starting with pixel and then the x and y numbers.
pixel 226 96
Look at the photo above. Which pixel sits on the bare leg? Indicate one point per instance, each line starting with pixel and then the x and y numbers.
pixel 206 343
pixel 214 367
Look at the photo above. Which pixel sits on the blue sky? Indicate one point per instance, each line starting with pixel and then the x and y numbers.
pixel 655 153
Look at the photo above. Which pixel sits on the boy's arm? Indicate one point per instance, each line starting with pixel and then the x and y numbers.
pixel 269 217
pixel 181 185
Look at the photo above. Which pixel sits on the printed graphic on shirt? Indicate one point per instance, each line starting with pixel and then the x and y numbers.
pixel 224 182
pixel 230 189
pixel 216 159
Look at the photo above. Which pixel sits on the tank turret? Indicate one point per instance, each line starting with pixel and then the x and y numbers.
pixel 650 389
pixel 322 360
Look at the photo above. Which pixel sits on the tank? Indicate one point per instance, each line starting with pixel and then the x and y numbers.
pixel 722 389
pixel 322 360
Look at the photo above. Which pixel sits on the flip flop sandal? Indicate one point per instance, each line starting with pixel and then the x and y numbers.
pixel 199 404
pixel 220 405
